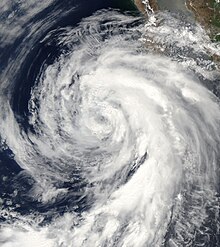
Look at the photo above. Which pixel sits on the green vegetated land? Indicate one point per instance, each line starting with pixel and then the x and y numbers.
pixel 207 12
pixel 216 18
pixel 216 9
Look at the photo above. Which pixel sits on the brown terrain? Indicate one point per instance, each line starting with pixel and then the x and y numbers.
pixel 141 6
pixel 206 12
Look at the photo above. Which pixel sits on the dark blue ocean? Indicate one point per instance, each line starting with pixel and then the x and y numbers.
pixel 109 126
pixel 56 16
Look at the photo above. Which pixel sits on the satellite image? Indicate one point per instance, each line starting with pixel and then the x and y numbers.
pixel 109 123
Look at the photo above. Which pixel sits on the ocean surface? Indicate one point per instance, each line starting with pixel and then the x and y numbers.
pixel 109 126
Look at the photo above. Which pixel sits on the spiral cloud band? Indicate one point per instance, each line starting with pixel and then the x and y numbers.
pixel 135 134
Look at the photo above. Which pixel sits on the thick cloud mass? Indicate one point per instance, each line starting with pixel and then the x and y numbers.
pixel 135 133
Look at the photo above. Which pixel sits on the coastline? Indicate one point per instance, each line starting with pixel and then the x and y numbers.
pixel 142 7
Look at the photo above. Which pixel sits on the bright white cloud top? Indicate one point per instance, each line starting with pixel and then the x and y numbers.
pixel 138 131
